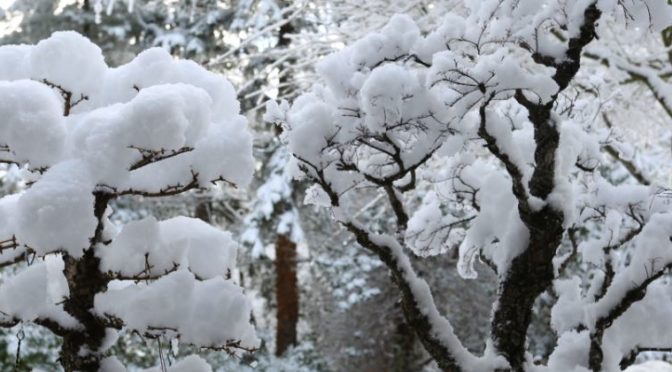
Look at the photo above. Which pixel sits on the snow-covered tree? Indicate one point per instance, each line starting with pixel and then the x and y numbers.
pixel 476 119
pixel 85 134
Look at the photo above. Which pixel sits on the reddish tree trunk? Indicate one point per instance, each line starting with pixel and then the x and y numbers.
pixel 287 294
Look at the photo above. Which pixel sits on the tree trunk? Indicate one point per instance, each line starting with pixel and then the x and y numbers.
pixel 287 294
pixel 81 348
pixel 203 211
pixel 286 285
pixel 531 273
pixel 88 12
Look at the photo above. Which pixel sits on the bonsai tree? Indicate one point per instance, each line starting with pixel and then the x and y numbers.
pixel 85 134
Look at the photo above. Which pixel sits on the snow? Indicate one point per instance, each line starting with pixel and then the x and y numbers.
pixel 394 39
pixel 156 66
pixel 651 366
pixel 383 97
pixel 655 14
pixel 576 146
pixel 167 116
pixel 32 123
pixel 37 293
pixel 569 310
pixel 310 129
pixel 209 313
pixel 7 207
pixel 69 60
pixel 654 252
pixel 191 363
pixel 570 353
pixel 111 364
pixel 427 232
pixel 645 324
pixel 315 195
pixel 276 113
pixel 55 214
pixel 178 111
pixel 497 221
pixel 187 242
pixel 591 250
pixel 229 141
pixel 14 62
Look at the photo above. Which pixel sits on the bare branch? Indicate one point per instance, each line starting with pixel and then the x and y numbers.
pixel 155 156
pixel 68 103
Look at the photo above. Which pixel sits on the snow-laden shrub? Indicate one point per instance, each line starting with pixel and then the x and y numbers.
pixel 84 134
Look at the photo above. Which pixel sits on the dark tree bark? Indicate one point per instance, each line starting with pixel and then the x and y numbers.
pixel 85 280
pixel 286 293
pixel 531 273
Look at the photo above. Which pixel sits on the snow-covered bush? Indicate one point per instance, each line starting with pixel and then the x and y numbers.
pixel 475 119
pixel 84 134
